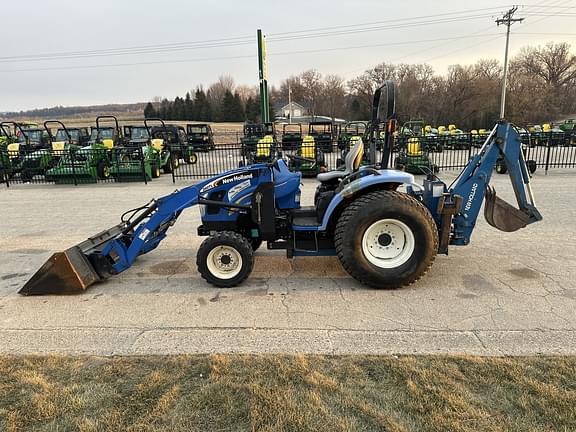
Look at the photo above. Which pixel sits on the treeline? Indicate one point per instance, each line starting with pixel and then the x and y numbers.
pixel 204 106
pixel 63 111
pixel 541 88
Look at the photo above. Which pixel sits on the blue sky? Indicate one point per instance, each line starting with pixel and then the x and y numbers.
pixel 439 33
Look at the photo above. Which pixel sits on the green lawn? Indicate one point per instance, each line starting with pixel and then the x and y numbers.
pixel 287 393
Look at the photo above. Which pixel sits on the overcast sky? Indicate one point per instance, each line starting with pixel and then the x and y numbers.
pixel 163 58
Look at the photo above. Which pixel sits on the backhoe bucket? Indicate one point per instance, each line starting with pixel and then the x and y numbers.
pixel 71 271
pixel 65 272
pixel 501 215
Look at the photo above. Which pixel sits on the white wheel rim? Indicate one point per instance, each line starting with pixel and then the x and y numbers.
pixel 224 262
pixel 388 243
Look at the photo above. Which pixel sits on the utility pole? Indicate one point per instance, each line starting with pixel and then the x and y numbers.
pixel 507 20
pixel 290 112
pixel 263 77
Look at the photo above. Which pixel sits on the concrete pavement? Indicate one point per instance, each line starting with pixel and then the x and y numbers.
pixel 507 293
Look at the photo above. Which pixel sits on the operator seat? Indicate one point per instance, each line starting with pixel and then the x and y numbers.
pixel 351 164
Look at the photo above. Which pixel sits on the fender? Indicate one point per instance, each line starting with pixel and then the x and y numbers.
pixel 357 186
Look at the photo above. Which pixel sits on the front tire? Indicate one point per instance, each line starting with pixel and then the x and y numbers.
pixel 225 259
pixel 386 239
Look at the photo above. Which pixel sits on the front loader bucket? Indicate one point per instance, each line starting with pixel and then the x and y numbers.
pixel 65 272
pixel 501 215
pixel 71 271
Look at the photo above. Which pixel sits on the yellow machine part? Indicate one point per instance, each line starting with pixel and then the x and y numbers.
pixel 441 129
pixel 428 128
pixel 546 127
pixel 473 132
pixel 12 149
pixel 108 143
pixel 360 155
pixel 482 131
pixel 308 147
pixel 354 140
pixel 58 145
pixel 413 148
pixel 158 144
pixel 451 127
pixel 264 145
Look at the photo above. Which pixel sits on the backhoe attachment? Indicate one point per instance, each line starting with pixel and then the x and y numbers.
pixel 501 215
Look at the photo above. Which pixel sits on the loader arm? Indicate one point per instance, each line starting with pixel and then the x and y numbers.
pixel 473 185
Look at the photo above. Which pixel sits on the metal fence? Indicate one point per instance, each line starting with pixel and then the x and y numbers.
pixel 121 164
pixel 75 167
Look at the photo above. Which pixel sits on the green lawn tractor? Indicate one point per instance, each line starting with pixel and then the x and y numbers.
pixel 172 143
pixel 323 133
pixel 200 137
pixel 309 158
pixel 427 136
pixel 136 158
pixel 251 133
pixel 259 144
pixel 352 129
pixel 30 154
pixel 7 137
pixel 47 157
pixel 92 162
pixel 291 136
pixel 413 159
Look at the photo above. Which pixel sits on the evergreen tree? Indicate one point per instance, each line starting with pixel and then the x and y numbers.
pixel 226 111
pixel 178 109
pixel 202 107
pixel 238 113
pixel 150 111
pixel 252 110
pixel 189 107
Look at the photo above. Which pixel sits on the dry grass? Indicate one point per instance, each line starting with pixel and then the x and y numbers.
pixel 287 393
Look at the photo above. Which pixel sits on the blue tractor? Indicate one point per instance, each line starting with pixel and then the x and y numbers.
pixel 385 229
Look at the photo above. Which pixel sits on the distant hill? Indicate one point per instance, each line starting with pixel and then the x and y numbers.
pixel 135 110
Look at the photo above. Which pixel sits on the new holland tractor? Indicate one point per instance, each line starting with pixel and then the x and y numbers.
pixel 385 229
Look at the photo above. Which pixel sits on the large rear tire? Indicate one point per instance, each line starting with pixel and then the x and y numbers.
pixel 386 239
pixel 225 259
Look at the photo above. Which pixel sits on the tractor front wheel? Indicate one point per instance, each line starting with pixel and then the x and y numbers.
pixel 192 158
pixel 386 239
pixel 225 259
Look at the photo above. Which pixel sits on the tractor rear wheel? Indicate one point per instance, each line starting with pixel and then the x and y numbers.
pixel 102 170
pixel 386 239
pixel 169 167
pixel 155 169
pixel 225 259
pixel 501 167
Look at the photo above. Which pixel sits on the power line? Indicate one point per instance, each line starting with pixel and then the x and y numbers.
pixel 272 54
pixel 238 41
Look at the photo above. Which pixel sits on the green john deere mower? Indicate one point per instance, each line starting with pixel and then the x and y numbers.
pixel 137 158
pixel 92 162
